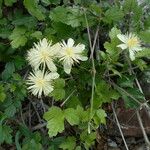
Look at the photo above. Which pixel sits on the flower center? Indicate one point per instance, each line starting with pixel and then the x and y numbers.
pixel 44 55
pixel 69 51
pixel 40 82
pixel 132 42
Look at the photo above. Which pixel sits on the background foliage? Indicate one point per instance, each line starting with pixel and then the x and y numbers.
pixel 23 22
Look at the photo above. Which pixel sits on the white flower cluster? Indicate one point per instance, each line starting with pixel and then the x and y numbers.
pixel 130 42
pixel 42 57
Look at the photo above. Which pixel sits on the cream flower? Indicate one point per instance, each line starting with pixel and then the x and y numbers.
pixel 70 54
pixel 131 42
pixel 43 53
pixel 40 82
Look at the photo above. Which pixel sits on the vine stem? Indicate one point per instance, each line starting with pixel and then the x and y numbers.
pixel 93 68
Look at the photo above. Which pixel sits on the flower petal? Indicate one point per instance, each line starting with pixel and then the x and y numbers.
pixel 132 55
pixel 54 75
pixel 51 66
pixel 122 46
pixel 79 48
pixel 122 37
pixel 70 42
pixel 83 58
pixel 67 67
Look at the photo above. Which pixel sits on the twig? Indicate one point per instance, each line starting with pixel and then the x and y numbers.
pixel 43 106
pixel 118 124
pixel 93 67
pixel 145 104
pixel 22 116
pixel 30 115
pixel 39 126
pixel 67 98
pixel 38 116
pixel 143 130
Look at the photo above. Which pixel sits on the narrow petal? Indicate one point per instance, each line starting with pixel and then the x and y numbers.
pixel 67 67
pixel 79 48
pixel 51 66
pixel 122 46
pixel 83 58
pixel 70 42
pixel 122 37
pixel 132 55
pixel 55 48
pixel 54 75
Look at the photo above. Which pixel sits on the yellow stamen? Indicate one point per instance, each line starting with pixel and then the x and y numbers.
pixel 69 51
pixel 40 82
pixel 44 54
pixel 132 42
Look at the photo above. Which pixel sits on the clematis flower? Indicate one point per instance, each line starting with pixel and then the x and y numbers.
pixel 130 42
pixel 40 82
pixel 43 54
pixel 69 54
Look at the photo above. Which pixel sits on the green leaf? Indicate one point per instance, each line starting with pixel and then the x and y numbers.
pixel 145 36
pixel 59 14
pixel 37 35
pixel 5 132
pixel 113 33
pixel 33 142
pixel 9 2
pixel 88 139
pixel 71 116
pixel 18 37
pixel 101 115
pixel 69 143
pixel 113 14
pixel 59 83
pixel 58 93
pixel 10 110
pixel 9 70
pixel 34 9
pixel 144 53
pixel 2 96
pixel 69 16
pixel 2 93
pixel 55 121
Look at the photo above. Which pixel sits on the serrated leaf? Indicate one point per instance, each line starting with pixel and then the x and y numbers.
pixel 101 115
pixel 113 14
pixel 9 70
pixel 55 121
pixel 10 111
pixel 5 132
pixel 71 116
pixel 69 143
pixel 2 96
pixel 58 94
pixel 9 2
pixel 37 35
pixel 59 14
pixel 18 37
pixel 34 9
pixel 144 53
pixel 59 83
pixel 88 139
pixel 114 32
pixel 145 36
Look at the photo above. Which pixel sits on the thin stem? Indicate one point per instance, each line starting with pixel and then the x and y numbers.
pixel 142 128
pixel 118 124
pixel 67 98
pixel 93 67
pixel 42 103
